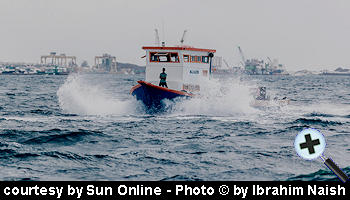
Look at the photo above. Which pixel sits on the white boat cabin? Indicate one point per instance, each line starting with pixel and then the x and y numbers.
pixel 185 66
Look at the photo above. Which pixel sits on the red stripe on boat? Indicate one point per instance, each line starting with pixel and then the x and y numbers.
pixel 134 88
pixel 161 88
pixel 181 48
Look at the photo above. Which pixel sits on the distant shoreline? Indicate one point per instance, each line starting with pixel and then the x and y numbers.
pixel 335 74
pixel 328 74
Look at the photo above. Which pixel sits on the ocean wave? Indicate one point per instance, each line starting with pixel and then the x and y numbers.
pixel 41 112
pixel 66 155
pixel 7 152
pixel 155 160
pixel 3 144
pixel 64 137
pixel 99 156
pixel 316 114
pixel 11 133
pixel 27 179
pixel 181 178
pixel 316 121
pixel 67 114
pixel 47 136
pixel 26 155
pixel 14 113
pixel 320 175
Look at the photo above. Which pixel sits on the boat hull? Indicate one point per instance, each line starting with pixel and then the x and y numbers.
pixel 152 96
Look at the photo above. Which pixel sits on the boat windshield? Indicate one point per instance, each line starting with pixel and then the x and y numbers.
pixel 164 57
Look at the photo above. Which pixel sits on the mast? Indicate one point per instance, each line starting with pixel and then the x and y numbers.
pixel 157 41
pixel 183 37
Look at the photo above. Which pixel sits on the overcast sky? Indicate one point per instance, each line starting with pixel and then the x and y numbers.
pixel 302 34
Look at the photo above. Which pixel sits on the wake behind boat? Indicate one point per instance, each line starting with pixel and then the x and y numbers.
pixel 183 68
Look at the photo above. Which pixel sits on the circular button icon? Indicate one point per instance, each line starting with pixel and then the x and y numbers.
pixel 310 144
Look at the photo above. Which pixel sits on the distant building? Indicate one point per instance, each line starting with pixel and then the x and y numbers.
pixel 105 63
pixel 58 60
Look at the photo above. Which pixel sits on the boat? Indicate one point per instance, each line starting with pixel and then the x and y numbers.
pixel 337 72
pixel 9 70
pixel 262 100
pixel 185 67
pixel 256 66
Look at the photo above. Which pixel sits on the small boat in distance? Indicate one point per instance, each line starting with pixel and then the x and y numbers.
pixel 185 68
pixel 262 100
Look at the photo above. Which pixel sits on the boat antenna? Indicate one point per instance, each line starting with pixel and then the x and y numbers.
pixel 157 42
pixel 163 42
pixel 183 37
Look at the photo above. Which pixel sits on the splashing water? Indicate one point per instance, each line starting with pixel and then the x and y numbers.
pixel 78 96
pixel 218 97
pixel 228 97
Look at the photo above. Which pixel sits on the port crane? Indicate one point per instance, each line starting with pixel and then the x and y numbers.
pixel 269 59
pixel 227 65
pixel 242 55
pixel 270 62
pixel 241 64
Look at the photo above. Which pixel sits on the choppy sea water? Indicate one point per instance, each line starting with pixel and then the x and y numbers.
pixel 88 127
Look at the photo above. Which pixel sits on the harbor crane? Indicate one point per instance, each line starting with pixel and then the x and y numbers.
pixel 242 64
pixel 270 62
pixel 269 59
pixel 242 55
pixel 183 37
pixel 157 41
pixel 227 65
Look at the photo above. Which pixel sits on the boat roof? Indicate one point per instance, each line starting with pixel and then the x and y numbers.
pixel 178 48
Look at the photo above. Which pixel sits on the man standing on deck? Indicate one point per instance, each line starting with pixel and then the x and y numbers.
pixel 162 77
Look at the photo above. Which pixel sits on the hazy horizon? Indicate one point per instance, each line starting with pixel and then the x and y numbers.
pixel 300 34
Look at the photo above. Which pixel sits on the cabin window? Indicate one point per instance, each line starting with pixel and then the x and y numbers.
pixel 186 58
pixel 194 72
pixel 174 57
pixel 205 59
pixel 153 57
pixel 164 57
pixel 195 59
